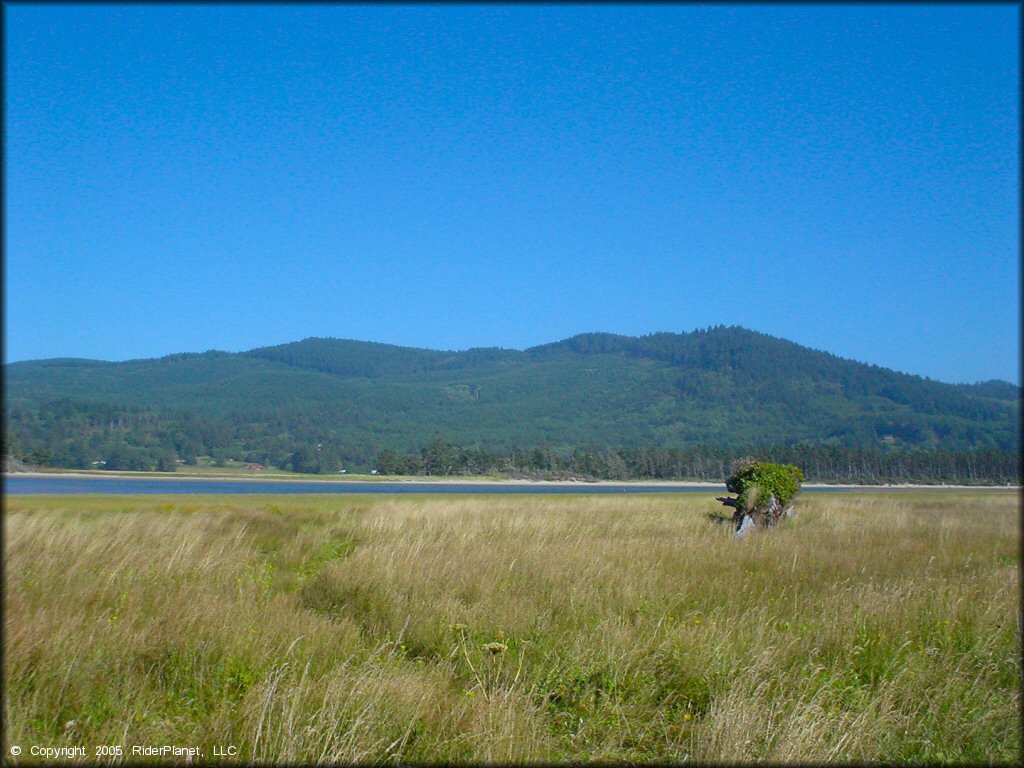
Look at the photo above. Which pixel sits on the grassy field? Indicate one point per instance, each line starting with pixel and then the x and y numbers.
pixel 871 627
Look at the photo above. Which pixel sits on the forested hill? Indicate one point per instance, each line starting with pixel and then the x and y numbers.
pixel 723 387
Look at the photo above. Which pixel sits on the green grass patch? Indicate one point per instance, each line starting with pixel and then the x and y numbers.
pixel 505 628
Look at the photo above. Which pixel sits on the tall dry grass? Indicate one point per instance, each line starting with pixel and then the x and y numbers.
pixel 515 628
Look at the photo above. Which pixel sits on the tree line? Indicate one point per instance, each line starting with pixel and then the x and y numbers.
pixel 820 463
pixel 76 435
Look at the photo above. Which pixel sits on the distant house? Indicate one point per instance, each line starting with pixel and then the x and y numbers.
pixel 257 467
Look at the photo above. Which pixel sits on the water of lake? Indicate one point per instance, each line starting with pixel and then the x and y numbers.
pixel 14 484
pixel 58 485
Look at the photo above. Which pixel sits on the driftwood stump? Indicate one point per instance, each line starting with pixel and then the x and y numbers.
pixel 754 505
pixel 761 515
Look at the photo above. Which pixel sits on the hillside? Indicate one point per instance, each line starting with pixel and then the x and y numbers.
pixel 725 387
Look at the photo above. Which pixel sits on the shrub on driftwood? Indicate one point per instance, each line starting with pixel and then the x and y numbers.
pixel 763 492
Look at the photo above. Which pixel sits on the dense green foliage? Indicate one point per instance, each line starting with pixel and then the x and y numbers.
pixel 67 434
pixel 830 464
pixel 595 405
pixel 762 478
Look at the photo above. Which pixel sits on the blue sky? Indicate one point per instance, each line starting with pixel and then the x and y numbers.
pixel 181 178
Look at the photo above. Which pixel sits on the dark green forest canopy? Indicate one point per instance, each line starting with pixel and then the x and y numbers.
pixel 319 404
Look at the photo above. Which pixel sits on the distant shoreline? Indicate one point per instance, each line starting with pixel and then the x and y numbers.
pixel 469 480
